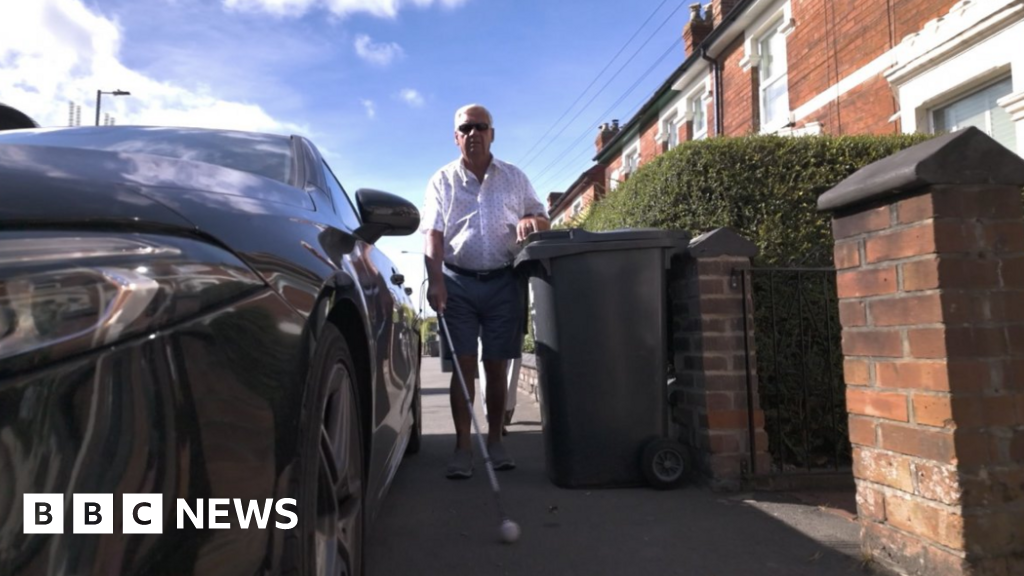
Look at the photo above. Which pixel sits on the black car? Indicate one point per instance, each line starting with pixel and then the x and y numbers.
pixel 199 316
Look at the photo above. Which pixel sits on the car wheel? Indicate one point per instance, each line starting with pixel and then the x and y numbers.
pixel 416 435
pixel 332 493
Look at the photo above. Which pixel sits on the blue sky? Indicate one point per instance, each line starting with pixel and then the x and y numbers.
pixel 374 83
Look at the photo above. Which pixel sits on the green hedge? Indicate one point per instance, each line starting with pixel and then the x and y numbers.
pixel 764 187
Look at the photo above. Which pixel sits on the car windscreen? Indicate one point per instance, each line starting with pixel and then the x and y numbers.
pixel 263 154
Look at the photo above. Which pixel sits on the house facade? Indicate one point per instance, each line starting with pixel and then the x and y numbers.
pixel 803 67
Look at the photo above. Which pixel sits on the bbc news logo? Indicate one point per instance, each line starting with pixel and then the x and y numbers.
pixel 143 513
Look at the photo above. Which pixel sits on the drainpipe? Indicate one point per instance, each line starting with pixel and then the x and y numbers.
pixel 715 70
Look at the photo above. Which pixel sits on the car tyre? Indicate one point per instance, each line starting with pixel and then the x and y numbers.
pixel 332 464
pixel 416 435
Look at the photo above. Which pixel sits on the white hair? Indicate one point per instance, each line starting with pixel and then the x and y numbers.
pixel 467 108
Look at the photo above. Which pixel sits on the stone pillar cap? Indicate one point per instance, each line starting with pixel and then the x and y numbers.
pixel 964 157
pixel 721 242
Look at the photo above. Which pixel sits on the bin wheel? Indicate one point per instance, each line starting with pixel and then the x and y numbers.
pixel 664 463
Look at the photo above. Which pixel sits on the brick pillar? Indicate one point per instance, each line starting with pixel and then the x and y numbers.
pixel 930 252
pixel 710 400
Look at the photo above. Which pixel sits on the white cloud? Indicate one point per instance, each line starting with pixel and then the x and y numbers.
pixel 371 108
pixel 275 7
pixel 341 8
pixel 56 51
pixel 411 97
pixel 380 54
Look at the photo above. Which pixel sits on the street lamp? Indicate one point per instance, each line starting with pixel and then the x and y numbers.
pixel 100 93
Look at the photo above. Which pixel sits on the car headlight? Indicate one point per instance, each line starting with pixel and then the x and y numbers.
pixel 66 293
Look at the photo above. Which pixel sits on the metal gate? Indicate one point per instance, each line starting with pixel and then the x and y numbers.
pixel 799 367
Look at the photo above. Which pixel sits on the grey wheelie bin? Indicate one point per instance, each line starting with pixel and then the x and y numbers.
pixel 602 321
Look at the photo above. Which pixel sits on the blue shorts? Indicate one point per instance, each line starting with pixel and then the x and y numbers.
pixel 492 310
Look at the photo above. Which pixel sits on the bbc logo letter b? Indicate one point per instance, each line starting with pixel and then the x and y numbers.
pixel 93 514
pixel 43 513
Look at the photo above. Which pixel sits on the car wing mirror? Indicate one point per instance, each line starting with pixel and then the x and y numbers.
pixel 385 214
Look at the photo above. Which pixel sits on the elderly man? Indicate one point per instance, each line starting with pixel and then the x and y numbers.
pixel 477 210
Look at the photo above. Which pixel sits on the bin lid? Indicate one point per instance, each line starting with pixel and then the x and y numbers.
pixel 558 243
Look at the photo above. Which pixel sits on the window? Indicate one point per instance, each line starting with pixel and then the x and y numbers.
pixel 632 161
pixel 774 83
pixel 981 111
pixel 265 155
pixel 671 128
pixel 577 207
pixel 342 204
pixel 700 119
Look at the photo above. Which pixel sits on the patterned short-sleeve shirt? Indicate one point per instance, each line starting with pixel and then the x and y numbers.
pixel 479 219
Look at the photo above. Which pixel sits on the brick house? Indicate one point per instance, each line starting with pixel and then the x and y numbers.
pixel 800 67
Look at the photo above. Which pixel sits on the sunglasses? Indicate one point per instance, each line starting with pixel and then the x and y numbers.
pixel 480 127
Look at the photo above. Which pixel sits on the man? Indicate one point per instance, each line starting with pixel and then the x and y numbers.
pixel 477 210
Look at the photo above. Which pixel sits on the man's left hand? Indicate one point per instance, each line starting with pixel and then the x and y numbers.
pixel 529 225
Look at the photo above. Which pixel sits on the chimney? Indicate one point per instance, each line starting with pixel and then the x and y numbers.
pixel 553 199
pixel 696 30
pixel 721 9
pixel 605 133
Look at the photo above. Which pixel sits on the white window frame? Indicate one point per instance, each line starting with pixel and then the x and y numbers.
pixel 613 179
pixel 777 18
pixel 691 106
pixel 671 129
pixel 780 75
pixel 576 208
pixel 955 55
pixel 629 153
pixel 952 99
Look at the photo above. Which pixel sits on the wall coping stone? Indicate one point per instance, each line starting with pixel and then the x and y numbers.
pixel 964 157
pixel 721 242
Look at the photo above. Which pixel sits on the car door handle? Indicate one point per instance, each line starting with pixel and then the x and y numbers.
pixel 397 279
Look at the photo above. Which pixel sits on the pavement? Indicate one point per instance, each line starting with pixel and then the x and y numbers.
pixel 431 525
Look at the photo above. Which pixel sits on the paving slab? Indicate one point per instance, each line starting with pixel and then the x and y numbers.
pixel 431 525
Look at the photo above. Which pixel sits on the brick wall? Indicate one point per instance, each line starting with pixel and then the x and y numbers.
pixel 710 403
pixel 835 39
pixel 910 15
pixel 739 93
pixel 529 383
pixel 650 147
pixel 933 313
pixel 931 290
pixel 866 109
pixel 863 110
pixel 831 40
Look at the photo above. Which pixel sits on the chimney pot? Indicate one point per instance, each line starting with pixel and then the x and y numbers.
pixel 698 28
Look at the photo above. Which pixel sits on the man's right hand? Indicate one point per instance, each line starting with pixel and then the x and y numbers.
pixel 437 296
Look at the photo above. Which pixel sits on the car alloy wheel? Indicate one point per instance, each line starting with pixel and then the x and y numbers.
pixel 334 489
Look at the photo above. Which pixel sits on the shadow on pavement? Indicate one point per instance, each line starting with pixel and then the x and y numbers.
pixel 433 526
